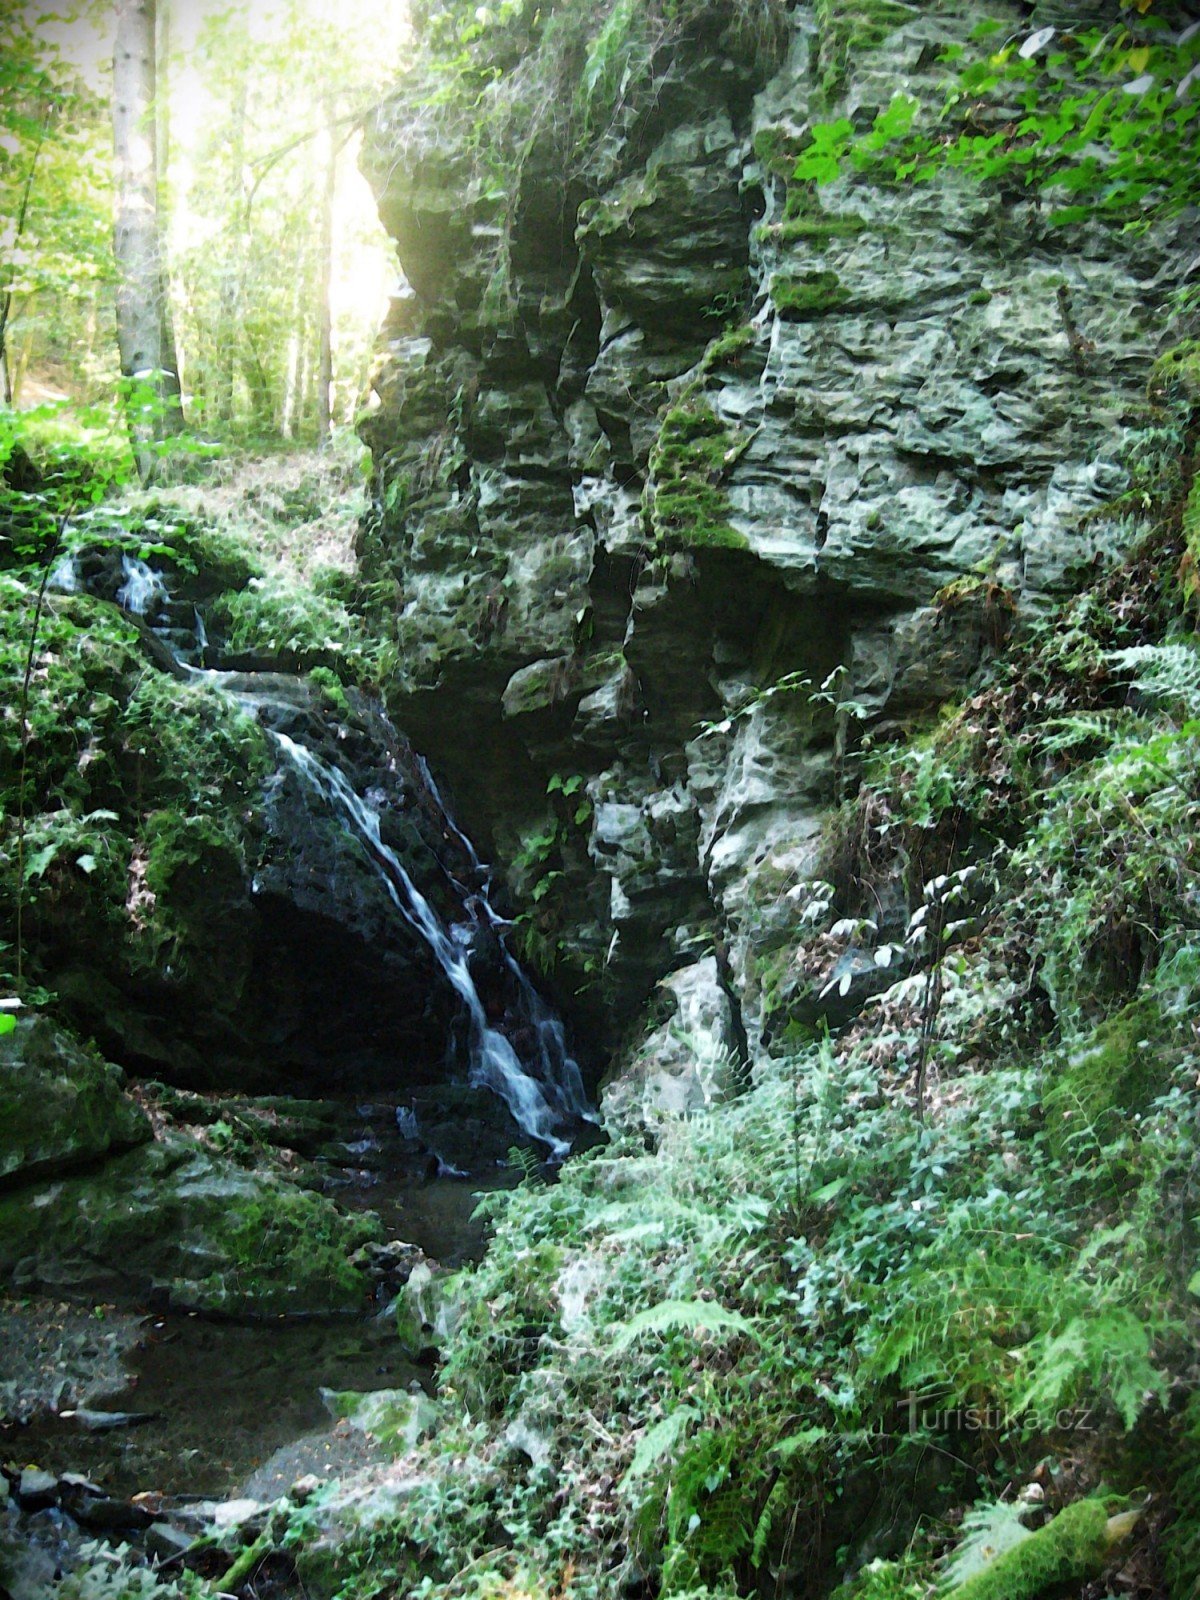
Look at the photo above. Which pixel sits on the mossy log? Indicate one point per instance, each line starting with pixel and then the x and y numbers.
pixel 1071 1547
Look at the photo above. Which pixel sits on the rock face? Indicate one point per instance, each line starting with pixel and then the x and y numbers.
pixel 667 446
pixel 688 1063
pixel 61 1106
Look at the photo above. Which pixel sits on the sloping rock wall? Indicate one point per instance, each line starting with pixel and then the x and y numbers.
pixel 663 443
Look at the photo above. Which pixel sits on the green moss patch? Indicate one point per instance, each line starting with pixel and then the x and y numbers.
pixel 815 231
pixel 687 503
pixel 1117 1071
pixel 848 30
pixel 807 295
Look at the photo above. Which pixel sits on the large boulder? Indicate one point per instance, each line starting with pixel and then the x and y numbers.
pixel 177 1224
pixel 61 1104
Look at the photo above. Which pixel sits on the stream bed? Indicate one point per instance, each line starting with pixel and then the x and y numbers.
pixel 232 1407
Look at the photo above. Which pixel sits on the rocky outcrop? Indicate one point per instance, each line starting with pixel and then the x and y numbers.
pixel 92 1206
pixel 61 1105
pixel 180 1226
pixel 690 477
pixel 689 1062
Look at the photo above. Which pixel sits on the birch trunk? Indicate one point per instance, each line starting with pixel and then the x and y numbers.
pixel 142 313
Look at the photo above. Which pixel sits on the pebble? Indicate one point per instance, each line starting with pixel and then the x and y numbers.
pixel 166 1542
pixel 36 1489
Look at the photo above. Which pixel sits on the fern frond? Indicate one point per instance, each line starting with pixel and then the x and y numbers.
pixel 1164 674
pixel 987 1532
pixel 1060 734
pixel 661 1437
pixel 675 1316
pixel 1106 1351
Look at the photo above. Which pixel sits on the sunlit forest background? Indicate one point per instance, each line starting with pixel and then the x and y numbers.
pixel 267 225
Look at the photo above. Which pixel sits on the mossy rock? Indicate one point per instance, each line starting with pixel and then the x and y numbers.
pixel 61 1104
pixel 808 295
pixel 395 1418
pixel 175 1217
pixel 777 149
pixel 814 231
pixel 1071 1547
pixel 688 505
pixel 1117 1071
pixel 849 30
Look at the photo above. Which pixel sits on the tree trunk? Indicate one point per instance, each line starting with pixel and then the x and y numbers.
pixel 142 312
pixel 162 166
pixel 325 285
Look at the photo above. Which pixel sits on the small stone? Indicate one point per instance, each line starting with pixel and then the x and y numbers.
pixel 76 1483
pixel 37 1489
pixel 302 1491
pixel 104 1514
pixel 165 1542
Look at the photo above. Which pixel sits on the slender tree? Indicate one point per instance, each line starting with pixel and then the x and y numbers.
pixel 333 146
pixel 144 338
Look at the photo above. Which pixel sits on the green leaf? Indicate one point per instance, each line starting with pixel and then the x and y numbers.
pixel 799 1443
pixel 661 1437
pixel 7 1023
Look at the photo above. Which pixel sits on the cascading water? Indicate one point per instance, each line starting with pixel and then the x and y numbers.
pixel 532 1072
pixel 540 1104
pixel 142 589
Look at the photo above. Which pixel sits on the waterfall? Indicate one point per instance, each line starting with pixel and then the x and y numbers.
pixel 538 1107
pixel 64 578
pixel 536 1077
pixel 142 589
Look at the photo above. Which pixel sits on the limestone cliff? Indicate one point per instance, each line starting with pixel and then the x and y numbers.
pixel 665 439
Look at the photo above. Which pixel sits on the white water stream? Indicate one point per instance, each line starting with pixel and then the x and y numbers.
pixel 538 1107
pixel 544 1093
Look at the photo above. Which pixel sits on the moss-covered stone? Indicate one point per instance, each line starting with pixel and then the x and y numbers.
pixel 1070 1548
pixel 848 30
pixel 724 352
pixel 811 294
pixel 815 231
pixel 688 505
pixel 178 1218
pixel 394 1418
pixel 1123 1065
pixel 61 1105
pixel 777 150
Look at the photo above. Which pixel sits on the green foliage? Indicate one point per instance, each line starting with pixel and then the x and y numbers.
pixel 277 616
pixel 55 191
pixel 1107 119
pixel 1183 1534
pixel 696 1316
